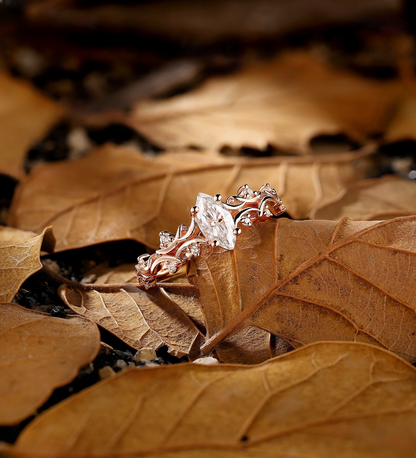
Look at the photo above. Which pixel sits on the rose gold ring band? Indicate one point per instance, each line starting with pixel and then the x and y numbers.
pixel 214 223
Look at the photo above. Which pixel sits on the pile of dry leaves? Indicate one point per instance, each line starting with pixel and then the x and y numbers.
pixel 308 325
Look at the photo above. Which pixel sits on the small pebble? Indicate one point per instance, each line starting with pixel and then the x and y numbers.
pixel 44 308
pixel 89 278
pixel 51 265
pixel 58 311
pixel 106 372
pixel 78 142
pixel 29 62
pixel 86 370
pixel 121 364
pixel 146 353
pixel 207 361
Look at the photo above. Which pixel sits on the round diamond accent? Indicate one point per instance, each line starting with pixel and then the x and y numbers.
pixel 194 250
pixel 165 238
pixel 245 191
pixel 215 222
pixel 171 266
pixel 246 220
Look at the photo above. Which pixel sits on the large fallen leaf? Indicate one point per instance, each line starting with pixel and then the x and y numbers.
pixel 105 275
pixel 376 199
pixel 115 292
pixel 308 281
pixel 285 104
pixel 20 257
pixel 325 400
pixel 116 193
pixel 138 318
pixel 37 354
pixel 25 117
pixel 186 297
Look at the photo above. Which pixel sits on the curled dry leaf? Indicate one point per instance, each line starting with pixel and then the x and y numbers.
pixel 328 399
pixel 284 104
pixel 308 281
pixel 116 193
pixel 25 117
pixel 38 354
pixel 20 257
pixel 141 319
pixel 376 199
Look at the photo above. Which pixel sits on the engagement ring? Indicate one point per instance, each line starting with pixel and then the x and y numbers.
pixel 213 223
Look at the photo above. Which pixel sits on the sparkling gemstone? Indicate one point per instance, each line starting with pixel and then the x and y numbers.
pixel 246 220
pixel 267 188
pixel 165 239
pixel 215 222
pixel 245 192
pixel 194 250
pixel 171 266
pixel 267 212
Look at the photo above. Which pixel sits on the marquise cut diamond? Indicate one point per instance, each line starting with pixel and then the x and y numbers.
pixel 215 222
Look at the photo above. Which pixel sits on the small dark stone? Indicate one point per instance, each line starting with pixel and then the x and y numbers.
pixel 158 360
pixel 124 355
pixel 58 311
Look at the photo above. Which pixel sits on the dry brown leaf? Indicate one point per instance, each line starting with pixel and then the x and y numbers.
pixel 328 399
pixel 116 193
pixel 105 275
pixel 376 199
pixel 38 354
pixel 20 257
pixel 286 284
pixel 25 117
pixel 138 318
pixel 102 300
pixel 125 273
pixel 308 281
pixel 284 104
pixel 402 126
